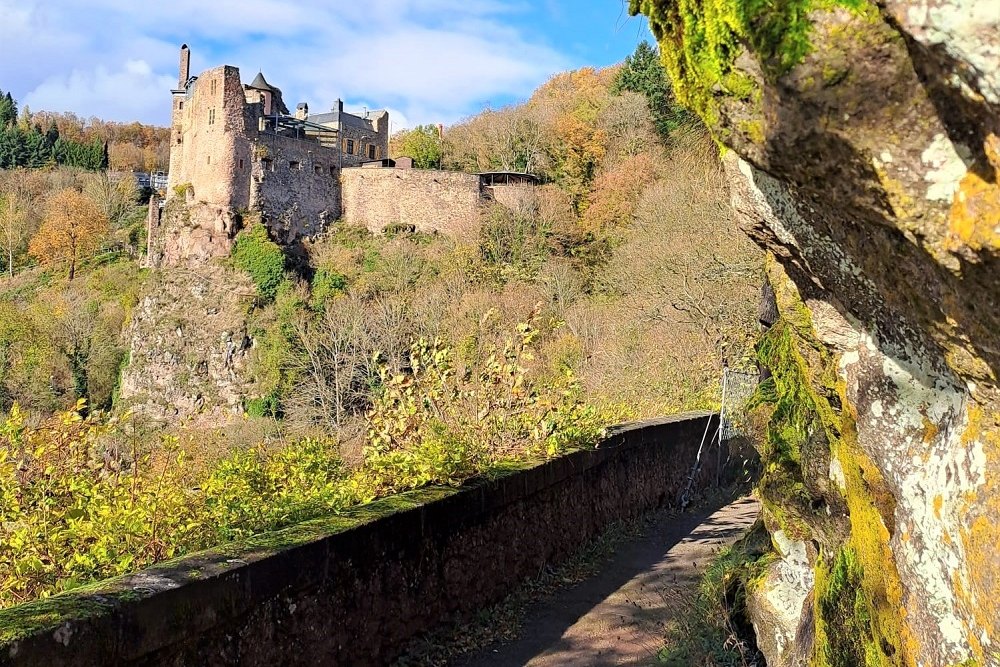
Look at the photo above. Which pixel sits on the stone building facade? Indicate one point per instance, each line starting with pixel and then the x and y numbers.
pixel 236 148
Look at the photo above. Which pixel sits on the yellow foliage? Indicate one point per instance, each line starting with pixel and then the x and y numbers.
pixel 73 226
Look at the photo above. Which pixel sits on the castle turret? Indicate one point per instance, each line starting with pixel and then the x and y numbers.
pixel 185 68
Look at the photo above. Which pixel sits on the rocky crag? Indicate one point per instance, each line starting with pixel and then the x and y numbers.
pixel 190 346
pixel 863 145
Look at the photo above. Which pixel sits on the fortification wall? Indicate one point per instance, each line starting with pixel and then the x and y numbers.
pixel 353 589
pixel 295 184
pixel 426 200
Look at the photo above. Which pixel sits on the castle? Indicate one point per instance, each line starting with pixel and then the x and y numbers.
pixel 236 148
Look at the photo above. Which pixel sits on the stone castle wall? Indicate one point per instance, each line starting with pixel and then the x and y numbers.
pixel 520 197
pixel 213 129
pixel 296 184
pixel 426 200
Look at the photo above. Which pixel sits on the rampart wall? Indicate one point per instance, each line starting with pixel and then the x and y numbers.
pixel 296 184
pixel 426 200
pixel 353 589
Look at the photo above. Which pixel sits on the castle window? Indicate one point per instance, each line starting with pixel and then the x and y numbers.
pixel 372 152
pixel 294 165
pixel 318 168
pixel 214 83
pixel 210 159
pixel 241 164
pixel 180 105
pixel 211 116
pixel 333 170
pixel 350 147
pixel 267 164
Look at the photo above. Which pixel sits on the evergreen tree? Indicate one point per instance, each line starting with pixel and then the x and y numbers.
pixel 644 73
pixel 8 110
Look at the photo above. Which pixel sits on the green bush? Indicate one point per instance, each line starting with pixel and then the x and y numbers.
pixel 264 406
pixel 326 283
pixel 262 258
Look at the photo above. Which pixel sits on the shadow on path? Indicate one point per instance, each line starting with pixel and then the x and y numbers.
pixel 618 617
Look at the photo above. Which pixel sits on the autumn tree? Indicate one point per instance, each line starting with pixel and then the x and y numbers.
pixel 115 195
pixel 422 143
pixel 13 228
pixel 643 73
pixel 568 107
pixel 73 226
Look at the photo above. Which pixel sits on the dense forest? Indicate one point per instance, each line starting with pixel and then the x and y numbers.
pixel 379 362
pixel 36 140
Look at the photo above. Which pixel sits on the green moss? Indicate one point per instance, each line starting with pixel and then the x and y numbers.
pixel 845 610
pixel 701 39
pixel 22 621
pixel 859 619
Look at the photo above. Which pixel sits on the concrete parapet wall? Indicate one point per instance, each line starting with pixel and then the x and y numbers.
pixel 353 589
pixel 426 200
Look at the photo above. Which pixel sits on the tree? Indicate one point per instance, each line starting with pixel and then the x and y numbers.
pixel 422 143
pixel 643 73
pixel 73 226
pixel 115 195
pixel 13 227
pixel 8 110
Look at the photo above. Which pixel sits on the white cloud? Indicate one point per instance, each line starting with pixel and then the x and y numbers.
pixel 129 93
pixel 433 60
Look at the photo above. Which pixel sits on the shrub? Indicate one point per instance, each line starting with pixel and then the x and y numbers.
pixel 262 258
pixel 71 511
pixel 326 283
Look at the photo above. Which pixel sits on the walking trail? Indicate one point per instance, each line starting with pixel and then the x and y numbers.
pixel 619 616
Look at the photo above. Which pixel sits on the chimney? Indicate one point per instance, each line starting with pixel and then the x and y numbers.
pixel 338 106
pixel 185 70
pixel 302 111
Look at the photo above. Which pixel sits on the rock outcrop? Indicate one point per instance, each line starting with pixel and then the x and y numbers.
pixel 865 157
pixel 190 346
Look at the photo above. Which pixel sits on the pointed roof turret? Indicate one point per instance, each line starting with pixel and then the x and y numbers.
pixel 260 83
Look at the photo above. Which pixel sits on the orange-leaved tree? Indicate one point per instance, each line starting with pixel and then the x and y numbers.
pixel 73 226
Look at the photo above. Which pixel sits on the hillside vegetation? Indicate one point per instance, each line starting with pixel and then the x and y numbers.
pixel 615 290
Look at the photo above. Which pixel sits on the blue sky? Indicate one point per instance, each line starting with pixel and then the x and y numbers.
pixel 425 60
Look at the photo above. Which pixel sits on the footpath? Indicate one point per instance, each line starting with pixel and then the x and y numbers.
pixel 619 616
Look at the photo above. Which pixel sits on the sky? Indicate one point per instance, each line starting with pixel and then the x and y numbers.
pixel 427 61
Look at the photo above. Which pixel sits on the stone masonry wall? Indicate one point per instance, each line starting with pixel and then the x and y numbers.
pixel 295 184
pixel 353 589
pixel 211 150
pixel 427 200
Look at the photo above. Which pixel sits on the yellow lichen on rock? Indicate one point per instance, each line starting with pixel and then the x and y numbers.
pixel 981 540
pixel 974 220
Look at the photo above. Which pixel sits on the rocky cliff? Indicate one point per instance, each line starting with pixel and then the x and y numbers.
pixel 864 148
pixel 190 346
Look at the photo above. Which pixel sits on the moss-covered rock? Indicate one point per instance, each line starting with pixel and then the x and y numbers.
pixel 866 160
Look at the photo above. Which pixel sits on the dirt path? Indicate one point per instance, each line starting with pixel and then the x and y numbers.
pixel 618 616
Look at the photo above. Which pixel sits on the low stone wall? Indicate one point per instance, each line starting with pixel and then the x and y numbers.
pixel 427 200
pixel 353 589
